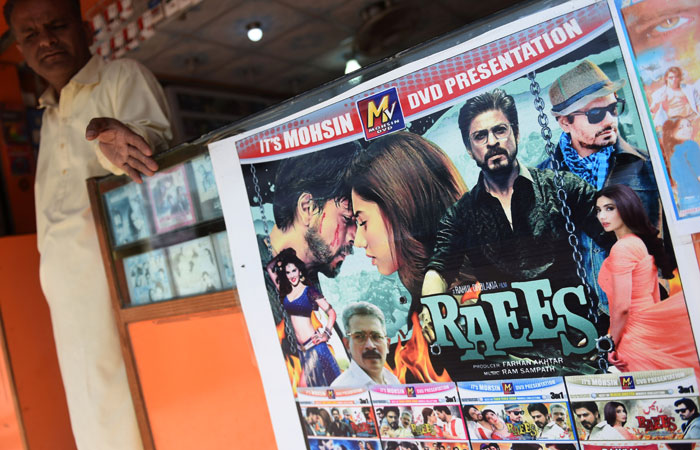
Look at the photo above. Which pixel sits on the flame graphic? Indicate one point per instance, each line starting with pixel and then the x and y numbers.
pixel 293 363
pixel 471 295
pixel 415 357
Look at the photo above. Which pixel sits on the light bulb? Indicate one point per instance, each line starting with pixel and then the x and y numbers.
pixel 255 33
pixel 352 65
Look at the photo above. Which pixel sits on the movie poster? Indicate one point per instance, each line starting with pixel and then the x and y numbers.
pixel 416 413
pixel 334 417
pixel 223 257
pixel 171 202
pixel 208 195
pixel 444 219
pixel 533 409
pixel 664 36
pixel 147 277
pixel 637 406
pixel 128 220
pixel 194 267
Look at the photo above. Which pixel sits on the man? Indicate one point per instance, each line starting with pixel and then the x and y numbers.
pixel 454 427
pixel 509 227
pixel 312 419
pixel 674 99
pixel 367 428
pixel 688 411
pixel 338 428
pixel 475 422
pixel 84 98
pixel 598 430
pixel 366 340
pixel 404 430
pixel 347 418
pixel 391 427
pixel 559 416
pixel 586 107
pixel 516 423
pixel 547 429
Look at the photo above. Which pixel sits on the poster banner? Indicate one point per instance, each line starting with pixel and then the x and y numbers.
pixel 664 38
pixel 533 409
pixel 652 405
pixel 335 417
pixel 442 222
pixel 419 414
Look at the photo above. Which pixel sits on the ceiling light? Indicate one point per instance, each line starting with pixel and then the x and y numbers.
pixel 352 65
pixel 255 33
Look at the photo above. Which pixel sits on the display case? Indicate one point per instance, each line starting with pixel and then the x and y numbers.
pixel 167 260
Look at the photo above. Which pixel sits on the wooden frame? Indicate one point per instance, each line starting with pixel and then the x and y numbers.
pixel 123 312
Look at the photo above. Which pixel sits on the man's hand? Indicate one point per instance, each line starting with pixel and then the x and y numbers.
pixel 122 147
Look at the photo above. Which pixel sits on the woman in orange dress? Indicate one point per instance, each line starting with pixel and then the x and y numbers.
pixel 640 323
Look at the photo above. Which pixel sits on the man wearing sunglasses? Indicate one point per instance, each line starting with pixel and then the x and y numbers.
pixel 366 340
pixel 516 424
pixel 688 411
pixel 586 107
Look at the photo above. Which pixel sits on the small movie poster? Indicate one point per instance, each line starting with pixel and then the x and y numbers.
pixel 171 201
pixel 128 220
pixel 425 445
pixel 208 195
pixel 636 406
pixel 147 277
pixel 340 414
pixel 194 266
pixel 664 37
pixel 534 409
pixel 339 444
pixel 418 412
pixel 679 445
pixel 527 446
pixel 223 258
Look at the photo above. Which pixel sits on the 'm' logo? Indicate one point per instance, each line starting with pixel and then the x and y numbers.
pixel 381 114
pixel 508 388
pixel 330 393
pixel 410 391
pixel 627 382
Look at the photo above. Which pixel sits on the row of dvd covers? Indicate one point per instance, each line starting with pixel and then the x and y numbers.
pixel 193 267
pixel 591 412
pixel 165 202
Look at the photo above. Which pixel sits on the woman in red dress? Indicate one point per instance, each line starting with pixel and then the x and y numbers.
pixel 640 323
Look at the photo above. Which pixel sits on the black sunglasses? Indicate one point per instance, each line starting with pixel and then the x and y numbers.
pixel 596 115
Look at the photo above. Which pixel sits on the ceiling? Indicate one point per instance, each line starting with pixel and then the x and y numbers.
pixel 305 44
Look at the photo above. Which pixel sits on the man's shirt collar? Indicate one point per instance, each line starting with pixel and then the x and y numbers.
pixel 88 75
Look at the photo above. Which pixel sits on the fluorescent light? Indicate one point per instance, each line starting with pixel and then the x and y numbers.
pixel 352 65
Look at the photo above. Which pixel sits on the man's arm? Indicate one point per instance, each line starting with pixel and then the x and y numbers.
pixel 138 125
pixel 580 196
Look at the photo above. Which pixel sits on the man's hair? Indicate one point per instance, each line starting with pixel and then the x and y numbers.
pixel 11 4
pixel 362 309
pixel 557 406
pixel 311 410
pixel 496 100
pixel 539 407
pixel 591 406
pixel 465 411
pixel 407 413
pixel 674 70
pixel 321 174
pixel 335 410
pixel 388 409
pixel 443 409
pixel 686 402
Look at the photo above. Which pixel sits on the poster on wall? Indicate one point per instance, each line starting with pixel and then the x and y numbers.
pixel 412 230
pixel 664 37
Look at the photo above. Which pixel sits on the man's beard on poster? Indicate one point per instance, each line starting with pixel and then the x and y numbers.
pixel 502 169
pixel 322 255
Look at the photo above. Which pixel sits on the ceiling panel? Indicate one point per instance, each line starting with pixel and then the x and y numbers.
pixel 200 16
pixel 251 70
pixel 307 42
pixel 191 59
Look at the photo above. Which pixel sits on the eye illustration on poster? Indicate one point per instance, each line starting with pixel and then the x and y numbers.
pixel 493 215
pixel 664 37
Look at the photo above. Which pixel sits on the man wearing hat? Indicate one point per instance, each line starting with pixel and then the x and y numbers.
pixel 586 107
pixel 516 424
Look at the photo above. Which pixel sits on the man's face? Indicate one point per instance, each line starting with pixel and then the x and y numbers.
pixel 559 417
pixel 336 415
pixel 441 415
pixel 475 414
pixel 369 353
pixel 539 418
pixel 347 416
pixel 494 154
pixel 685 412
pixel 586 136
pixel 673 80
pixel 516 415
pixel 52 39
pixel 392 419
pixel 330 236
pixel 587 418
